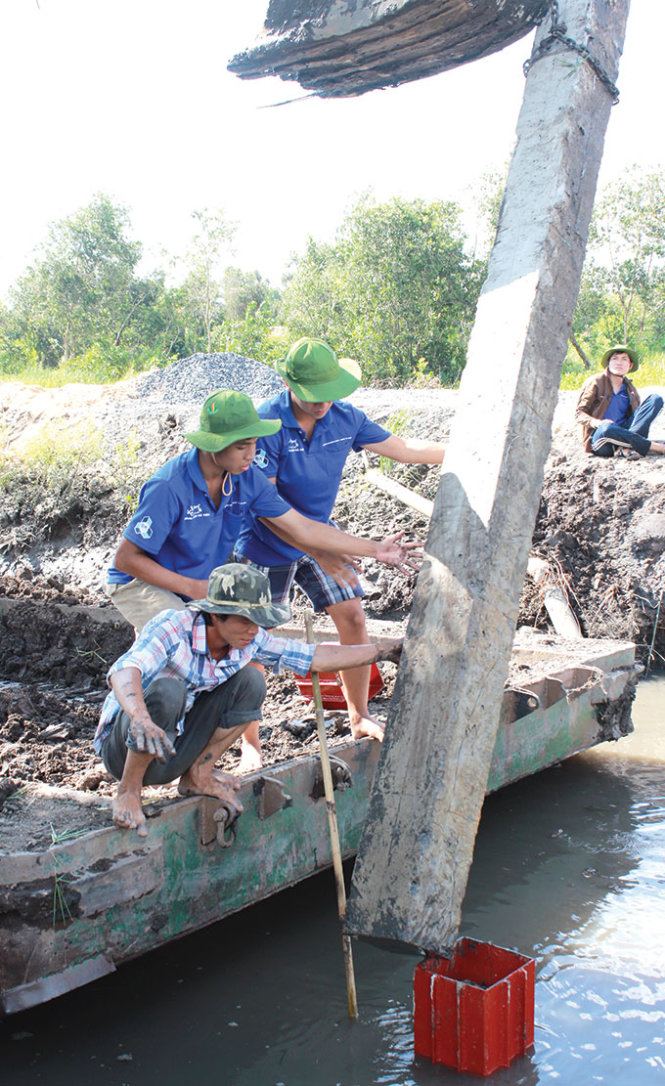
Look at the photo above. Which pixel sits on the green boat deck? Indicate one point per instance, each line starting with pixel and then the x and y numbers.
pixel 74 910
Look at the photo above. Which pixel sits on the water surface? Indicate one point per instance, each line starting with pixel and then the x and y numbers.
pixel 569 868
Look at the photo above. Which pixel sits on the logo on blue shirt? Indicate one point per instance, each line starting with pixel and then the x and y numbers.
pixel 144 527
pixel 261 458
pixel 194 512
pixel 294 445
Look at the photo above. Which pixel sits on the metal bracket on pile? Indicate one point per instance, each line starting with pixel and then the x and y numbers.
pixel 341 775
pixel 270 797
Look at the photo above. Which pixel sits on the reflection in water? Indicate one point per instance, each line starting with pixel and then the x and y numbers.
pixel 569 868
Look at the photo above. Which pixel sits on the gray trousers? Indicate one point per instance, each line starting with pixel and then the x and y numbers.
pixel 236 702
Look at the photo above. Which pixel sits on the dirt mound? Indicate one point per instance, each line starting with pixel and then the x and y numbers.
pixel 601 527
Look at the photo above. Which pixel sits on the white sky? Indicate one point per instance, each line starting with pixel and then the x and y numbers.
pixel 132 98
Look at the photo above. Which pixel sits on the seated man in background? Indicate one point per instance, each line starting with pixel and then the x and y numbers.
pixel 305 459
pixel 183 693
pixel 191 512
pixel 614 422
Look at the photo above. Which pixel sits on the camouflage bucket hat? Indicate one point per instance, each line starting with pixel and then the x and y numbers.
pixel 313 371
pixel 227 417
pixel 237 589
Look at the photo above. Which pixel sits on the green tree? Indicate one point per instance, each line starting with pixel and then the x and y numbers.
pixel 203 284
pixel 396 290
pixel 81 288
pixel 245 290
pixel 311 301
pixel 487 200
pixel 626 257
pixel 254 336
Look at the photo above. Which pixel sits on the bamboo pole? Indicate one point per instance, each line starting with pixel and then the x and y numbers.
pixel 334 832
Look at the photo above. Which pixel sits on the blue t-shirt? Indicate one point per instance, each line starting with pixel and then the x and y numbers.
pixel 178 525
pixel 307 473
pixel 619 407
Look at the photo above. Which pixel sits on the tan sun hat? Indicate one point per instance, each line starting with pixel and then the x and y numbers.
pixel 620 348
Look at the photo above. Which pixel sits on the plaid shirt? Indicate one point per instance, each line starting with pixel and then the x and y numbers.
pixel 174 645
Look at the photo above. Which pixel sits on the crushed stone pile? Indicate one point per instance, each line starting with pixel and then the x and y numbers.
pixel 190 380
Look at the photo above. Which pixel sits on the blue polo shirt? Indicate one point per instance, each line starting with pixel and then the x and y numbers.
pixel 619 408
pixel 308 473
pixel 178 525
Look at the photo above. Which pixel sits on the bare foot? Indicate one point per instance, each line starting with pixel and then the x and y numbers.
pixel 657 447
pixel 214 783
pixel 250 758
pixel 127 812
pixel 367 725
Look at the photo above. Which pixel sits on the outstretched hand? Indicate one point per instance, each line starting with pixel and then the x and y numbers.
pixel 393 551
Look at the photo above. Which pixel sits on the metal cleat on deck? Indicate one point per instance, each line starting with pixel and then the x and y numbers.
pixel 341 775
pixel 271 797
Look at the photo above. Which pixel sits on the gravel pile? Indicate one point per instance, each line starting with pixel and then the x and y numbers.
pixel 190 380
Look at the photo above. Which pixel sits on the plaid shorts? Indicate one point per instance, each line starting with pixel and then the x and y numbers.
pixel 321 589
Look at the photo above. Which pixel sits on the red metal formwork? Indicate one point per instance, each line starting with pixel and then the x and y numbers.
pixel 474 1011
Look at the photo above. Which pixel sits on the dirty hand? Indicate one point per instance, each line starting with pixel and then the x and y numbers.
pixel 406 557
pixel 341 567
pixel 151 739
pixel 392 652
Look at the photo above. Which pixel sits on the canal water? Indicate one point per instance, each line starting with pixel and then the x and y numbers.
pixel 569 869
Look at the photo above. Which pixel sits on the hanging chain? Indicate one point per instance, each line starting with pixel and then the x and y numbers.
pixel 558 33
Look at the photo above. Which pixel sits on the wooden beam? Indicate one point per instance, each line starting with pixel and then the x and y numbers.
pixel 338 50
pixel 402 493
pixel 416 851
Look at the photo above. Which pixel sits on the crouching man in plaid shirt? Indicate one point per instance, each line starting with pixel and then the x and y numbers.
pixel 183 694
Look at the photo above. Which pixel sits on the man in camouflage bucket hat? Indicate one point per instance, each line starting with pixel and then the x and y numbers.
pixel 183 693
pixel 192 510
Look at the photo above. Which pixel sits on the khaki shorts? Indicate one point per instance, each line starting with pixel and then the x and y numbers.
pixel 138 602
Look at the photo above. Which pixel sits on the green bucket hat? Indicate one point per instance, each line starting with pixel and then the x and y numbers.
pixel 238 589
pixel 620 348
pixel 227 417
pixel 313 371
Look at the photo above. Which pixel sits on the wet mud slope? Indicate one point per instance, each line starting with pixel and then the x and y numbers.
pixel 601 528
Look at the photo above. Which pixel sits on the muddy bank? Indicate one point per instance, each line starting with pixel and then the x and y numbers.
pixel 601 526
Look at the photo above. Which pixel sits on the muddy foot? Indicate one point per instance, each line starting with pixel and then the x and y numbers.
pixel 127 812
pixel 214 783
pixel 367 725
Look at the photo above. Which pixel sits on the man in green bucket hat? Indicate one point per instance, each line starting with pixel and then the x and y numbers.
pixel 191 511
pixel 614 421
pixel 185 690
pixel 305 458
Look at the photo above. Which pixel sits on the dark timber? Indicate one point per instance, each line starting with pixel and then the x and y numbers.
pixel 338 50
